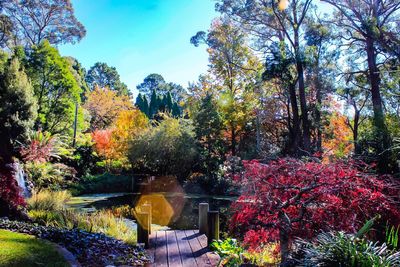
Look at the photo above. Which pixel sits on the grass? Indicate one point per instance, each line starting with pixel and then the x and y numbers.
pixel 28 251
pixel 49 208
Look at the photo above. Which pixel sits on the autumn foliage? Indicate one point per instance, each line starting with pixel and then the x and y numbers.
pixel 289 198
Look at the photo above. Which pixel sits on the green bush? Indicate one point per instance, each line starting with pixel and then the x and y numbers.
pixel 340 249
pixel 48 201
pixel 103 183
pixel 48 208
pixel 169 148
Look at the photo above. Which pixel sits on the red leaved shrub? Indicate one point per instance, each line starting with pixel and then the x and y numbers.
pixel 10 197
pixel 289 198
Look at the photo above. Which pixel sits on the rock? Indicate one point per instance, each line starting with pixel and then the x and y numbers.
pixel 90 249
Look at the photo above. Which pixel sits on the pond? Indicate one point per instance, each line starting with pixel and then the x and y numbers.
pixel 173 210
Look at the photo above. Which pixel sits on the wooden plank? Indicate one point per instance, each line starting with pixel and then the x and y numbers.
pixel 161 259
pixel 152 242
pixel 212 256
pixel 174 257
pixel 199 253
pixel 185 249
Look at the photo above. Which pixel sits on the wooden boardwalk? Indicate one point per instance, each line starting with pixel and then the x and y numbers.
pixel 180 248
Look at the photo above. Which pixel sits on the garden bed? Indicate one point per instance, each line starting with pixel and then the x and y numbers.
pixel 90 249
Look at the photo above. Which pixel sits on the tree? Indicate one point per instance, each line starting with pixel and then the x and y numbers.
pixel 169 148
pixel 79 74
pixel 128 126
pixel 142 104
pixel 152 83
pixel 104 106
pixel 155 82
pixel 371 26
pixel 17 116
pixel 154 104
pixel 208 126
pixel 18 107
pixel 235 68
pixel 56 89
pixel 38 20
pixel 288 198
pixel 277 21
pixel 338 137
pixel 102 75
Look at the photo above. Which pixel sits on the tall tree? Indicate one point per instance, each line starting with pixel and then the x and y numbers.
pixel 153 82
pixel 17 107
pixel 55 87
pixel 208 126
pixel 235 68
pixel 277 21
pixel 102 75
pixel 37 20
pixel 366 25
pixel 104 106
pixel 142 104
pixel 17 115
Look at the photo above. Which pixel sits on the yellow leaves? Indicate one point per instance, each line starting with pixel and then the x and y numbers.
pixel 115 122
pixel 337 138
pixel 104 106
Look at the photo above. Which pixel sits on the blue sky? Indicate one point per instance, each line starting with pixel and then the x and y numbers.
pixel 140 37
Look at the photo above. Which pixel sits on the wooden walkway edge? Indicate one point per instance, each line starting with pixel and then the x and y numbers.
pixel 180 248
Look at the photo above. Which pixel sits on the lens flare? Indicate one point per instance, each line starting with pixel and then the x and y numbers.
pixel 283 4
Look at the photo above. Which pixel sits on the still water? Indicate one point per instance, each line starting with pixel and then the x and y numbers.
pixel 174 210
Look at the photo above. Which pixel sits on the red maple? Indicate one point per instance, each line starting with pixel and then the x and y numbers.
pixel 289 198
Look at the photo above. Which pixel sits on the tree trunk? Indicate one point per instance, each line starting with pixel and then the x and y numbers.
pixel 357 149
pixel 382 135
pixel 296 132
pixel 302 95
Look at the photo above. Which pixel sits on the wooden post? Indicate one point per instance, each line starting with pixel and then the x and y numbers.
pixel 203 210
pixel 147 209
pixel 142 228
pixel 213 226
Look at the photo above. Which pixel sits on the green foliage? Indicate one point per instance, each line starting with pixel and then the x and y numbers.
pixel 392 236
pixel 49 175
pixel 142 104
pixel 98 222
pixel 103 76
pixel 208 127
pixel 168 148
pixel 340 249
pixel 103 183
pixel 17 105
pixel 28 251
pixel 229 251
pixel 46 200
pixel 56 89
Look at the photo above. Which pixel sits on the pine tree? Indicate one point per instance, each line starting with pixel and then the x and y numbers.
pixel 153 108
pixel 176 111
pixel 17 106
pixel 168 102
pixel 208 129
pixel 146 106
pixel 17 116
pixel 140 103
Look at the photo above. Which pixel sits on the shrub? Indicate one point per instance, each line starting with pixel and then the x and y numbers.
pixel 47 200
pixel 98 222
pixel 340 249
pixel 103 183
pixel 49 175
pixel 169 148
pixel 289 198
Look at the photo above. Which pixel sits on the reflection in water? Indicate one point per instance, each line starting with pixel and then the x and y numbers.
pixel 170 205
